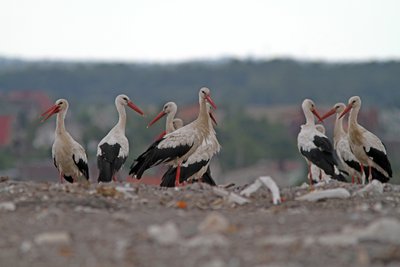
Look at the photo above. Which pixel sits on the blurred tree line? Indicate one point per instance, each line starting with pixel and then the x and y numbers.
pixel 235 85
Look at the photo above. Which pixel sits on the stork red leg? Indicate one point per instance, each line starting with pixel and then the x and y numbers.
pixel 310 174
pixel 178 174
pixel 61 178
pixel 369 174
pixel 352 179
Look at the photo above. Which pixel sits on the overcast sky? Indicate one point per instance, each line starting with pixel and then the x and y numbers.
pixel 177 30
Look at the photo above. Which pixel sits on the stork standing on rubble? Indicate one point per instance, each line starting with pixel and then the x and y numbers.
pixel 69 157
pixel 113 149
pixel 315 146
pixel 367 147
pixel 177 146
pixel 197 166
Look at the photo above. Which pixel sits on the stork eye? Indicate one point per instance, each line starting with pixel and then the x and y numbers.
pixel 125 98
pixel 61 103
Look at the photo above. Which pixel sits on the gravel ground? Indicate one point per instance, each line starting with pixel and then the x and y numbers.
pixel 51 224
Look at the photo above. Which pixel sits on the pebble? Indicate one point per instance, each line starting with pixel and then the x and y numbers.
pixel 166 234
pixel 214 223
pixel 8 206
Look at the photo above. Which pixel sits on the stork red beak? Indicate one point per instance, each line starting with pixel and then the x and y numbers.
pixel 213 118
pixel 48 113
pixel 347 109
pixel 315 112
pixel 328 114
pixel 209 100
pixel 135 108
pixel 159 116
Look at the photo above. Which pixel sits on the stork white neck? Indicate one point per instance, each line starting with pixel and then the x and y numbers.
pixel 309 117
pixel 121 116
pixel 169 122
pixel 338 131
pixel 353 117
pixel 60 125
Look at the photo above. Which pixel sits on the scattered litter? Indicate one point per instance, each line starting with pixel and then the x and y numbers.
pixel 8 206
pixel 4 178
pixel 375 187
pixel 107 191
pixel 166 234
pixel 52 238
pixel 214 223
pixel 230 196
pixel 269 183
pixel 26 246
pixel 181 204
pixel 325 194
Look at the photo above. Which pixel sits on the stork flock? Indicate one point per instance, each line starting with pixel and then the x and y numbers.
pixel 356 152
pixel 187 150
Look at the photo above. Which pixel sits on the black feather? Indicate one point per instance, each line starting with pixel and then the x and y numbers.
pixel 154 156
pixel 68 179
pixel 82 166
pixel 380 158
pixel 207 178
pixel 108 161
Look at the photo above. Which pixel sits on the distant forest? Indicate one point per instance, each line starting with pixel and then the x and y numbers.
pixel 233 82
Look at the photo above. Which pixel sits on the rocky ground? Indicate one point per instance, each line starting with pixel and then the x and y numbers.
pixel 51 224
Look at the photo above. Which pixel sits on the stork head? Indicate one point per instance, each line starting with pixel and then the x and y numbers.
pixel 178 123
pixel 60 105
pixel 169 107
pixel 354 102
pixel 205 94
pixel 309 106
pixel 320 128
pixel 337 109
pixel 125 101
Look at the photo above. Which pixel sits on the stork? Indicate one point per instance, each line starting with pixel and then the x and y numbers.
pixel 342 146
pixel 177 146
pixel 196 167
pixel 113 149
pixel 367 147
pixel 171 123
pixel 69 157
pixel 315 146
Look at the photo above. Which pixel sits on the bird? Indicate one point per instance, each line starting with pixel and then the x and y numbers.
pixel 113 149
pixel 315 170
pixel 175 147
pixel 314 146
pixel 69 156
pixel 197 166
pixel 366 146
pixel 171 123
pixel 342 146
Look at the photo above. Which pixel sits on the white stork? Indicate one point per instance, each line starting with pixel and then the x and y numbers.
pixel 113 149
pixel 171 123
pixel 315 146
pixel 342 145
pixel 176 147
pixel 367 147
pixel 196 167
pixel 69 157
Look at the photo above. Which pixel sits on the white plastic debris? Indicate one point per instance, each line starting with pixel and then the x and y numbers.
pixel 269 183
pixel 8 206
pixel 166 234
pixel 230 196
pixel 375 187
pixel 325 194
pixel 52 238
pixel 214 223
